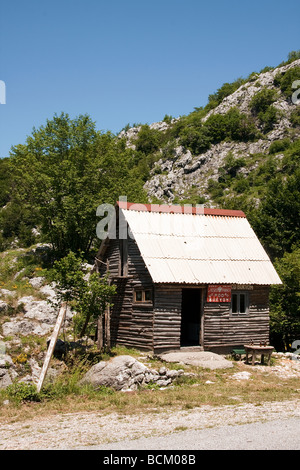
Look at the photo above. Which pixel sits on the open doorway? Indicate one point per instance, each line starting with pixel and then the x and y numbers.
pixel 191 317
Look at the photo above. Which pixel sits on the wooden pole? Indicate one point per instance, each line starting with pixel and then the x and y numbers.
pixel 107 314
pixel 100 333
pixel 51 346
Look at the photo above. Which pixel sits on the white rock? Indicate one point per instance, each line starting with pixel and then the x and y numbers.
pixel 25 328
pixel 37 282
pixel 7 293
pixel 242 375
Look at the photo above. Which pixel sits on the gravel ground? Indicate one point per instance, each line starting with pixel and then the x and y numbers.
pixel 79 430
pixel 270 435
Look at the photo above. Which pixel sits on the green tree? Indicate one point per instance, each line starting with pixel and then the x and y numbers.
pixel 262 100
pixel 276 221
pixel 63 172
pixel 286 79
pixel 148 140
pixel 87 293
pixel 5 181
pixel 285 301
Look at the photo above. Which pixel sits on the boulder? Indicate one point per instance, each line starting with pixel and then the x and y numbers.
pixel 126 373
pixel 49 291
pixel 37 281
pixel 206 359
pixel 25 328
pixel 39 310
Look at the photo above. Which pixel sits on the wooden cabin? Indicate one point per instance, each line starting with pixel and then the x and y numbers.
pixel 186 276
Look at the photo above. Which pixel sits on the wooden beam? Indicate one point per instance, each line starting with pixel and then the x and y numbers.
pixel 51 346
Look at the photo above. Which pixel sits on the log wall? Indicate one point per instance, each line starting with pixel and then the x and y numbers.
pixel 224 330
pixel 156 326
pixel 131 323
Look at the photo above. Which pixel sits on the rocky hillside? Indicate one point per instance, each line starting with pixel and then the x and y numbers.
pixel 185 166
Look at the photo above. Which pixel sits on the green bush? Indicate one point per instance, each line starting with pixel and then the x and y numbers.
pixel 198 136
pixel 196 139
pixel 225 90
pixel 279 146
pixel 295 116
pixel 293 55
pixel 233 125
pixel 240 126
pixel 285 80
pixel 21 391
pixel 241 185
pixel 262 100
pixel 148 140
pixel 269 118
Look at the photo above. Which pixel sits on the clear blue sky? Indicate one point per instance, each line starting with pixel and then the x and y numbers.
pixel 130 61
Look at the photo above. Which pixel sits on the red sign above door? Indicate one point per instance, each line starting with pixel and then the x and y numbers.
pixel 218 293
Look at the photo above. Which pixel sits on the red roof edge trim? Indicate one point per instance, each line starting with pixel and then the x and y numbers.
pixel 172 209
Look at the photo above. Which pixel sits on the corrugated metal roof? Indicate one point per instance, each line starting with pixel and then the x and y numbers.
pixel 191 249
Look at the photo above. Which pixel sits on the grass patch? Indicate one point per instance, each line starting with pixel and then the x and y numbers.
pixel 215 388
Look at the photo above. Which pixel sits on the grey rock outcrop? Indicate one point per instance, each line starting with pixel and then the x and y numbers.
pixel 25 327
pixel 39 310
pixel 181 170
pixel 126 373
pixel 7 372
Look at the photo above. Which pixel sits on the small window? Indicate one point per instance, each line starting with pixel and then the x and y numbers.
pixel 139 296
pixel 239 303
pixel 143 296
pixel 148 295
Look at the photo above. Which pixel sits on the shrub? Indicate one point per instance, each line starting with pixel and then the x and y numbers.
pixel 262 100
pixel 285 80
pixel 241 185
pixel 168 118
pixel 295 117
pixel 217 126
pixel 196 139
pixel 268 118
pixel 148 140
pixel 21 391
pixel 240 127
pixel 225 90
pixel 233 125
pixel 293 55
pixel 279 146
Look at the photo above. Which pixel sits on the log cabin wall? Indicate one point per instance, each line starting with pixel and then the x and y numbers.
pixel 131 322
pixel 224 330
pixel 141 331
pixel 156 325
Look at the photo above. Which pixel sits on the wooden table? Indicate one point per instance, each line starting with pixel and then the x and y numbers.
pixel 255 349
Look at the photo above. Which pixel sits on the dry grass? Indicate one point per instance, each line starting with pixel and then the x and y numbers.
pixel 207 387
